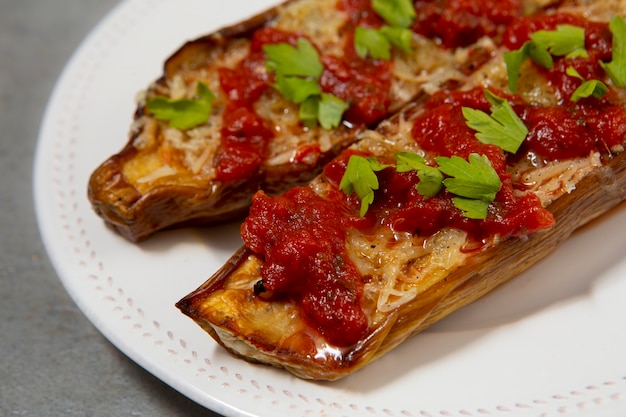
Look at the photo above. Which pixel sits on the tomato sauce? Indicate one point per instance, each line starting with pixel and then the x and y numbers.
pixel 459 23
pixel 452 23
pixel 363 83
pixel 576 130
pixel 303 239
pixel 442 131
pixel 444 115
pixel 302 235
pixel 245 137
pixel 360 13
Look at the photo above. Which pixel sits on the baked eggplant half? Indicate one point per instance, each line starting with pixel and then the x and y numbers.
pixel 440 204
pixel 264 104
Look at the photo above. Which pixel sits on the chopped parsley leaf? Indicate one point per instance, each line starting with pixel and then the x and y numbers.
pixel 588 88
pixel 183 113
pixel 616 69
pixel 297 72
pixel 397 13
pixel 473 182
pixel 502 128
pixel 360 178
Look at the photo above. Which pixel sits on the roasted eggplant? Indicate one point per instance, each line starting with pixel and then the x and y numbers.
pixel 284 300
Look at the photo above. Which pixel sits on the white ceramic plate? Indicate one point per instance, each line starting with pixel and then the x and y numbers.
pixel 552 342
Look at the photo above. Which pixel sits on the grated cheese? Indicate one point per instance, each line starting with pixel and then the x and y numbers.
pixel 554 178
pixel 399 266
pixel 316 19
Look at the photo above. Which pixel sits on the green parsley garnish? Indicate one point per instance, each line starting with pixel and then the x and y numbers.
pixel 183 113
pixel 398 37
pixel 616 69
pixel 515 59
pixel 502 128
pixel 588 88
pixel 377 43
pixel 474 179
pixel 397 13
pixel 324 108
pixel 431 178
pixel 309 111
pixel 566 40
pixel 297 72
pixel 472 209
pixel 473 182
pixel 360 178
pixel 297 89
pixel 330 110
pixel 301 61
pixel 371 42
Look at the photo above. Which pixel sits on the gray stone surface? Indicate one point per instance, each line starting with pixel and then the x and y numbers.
pixel 53 362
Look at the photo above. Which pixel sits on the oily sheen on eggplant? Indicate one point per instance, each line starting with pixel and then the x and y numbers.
pixel 166 177
pixel 574 191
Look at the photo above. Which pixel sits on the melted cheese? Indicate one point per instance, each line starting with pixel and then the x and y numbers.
pixel 426 67
pixel 316 19
pixel 399 266
pixel 550 180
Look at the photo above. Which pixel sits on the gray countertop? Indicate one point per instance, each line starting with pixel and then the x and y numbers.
pixel 53 361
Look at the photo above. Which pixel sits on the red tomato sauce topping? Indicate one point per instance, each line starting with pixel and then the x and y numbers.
pixel 303 239
pixel 576 130
pixel 302 235
pixel 452 23
pixel 458 23
pixel 245 135
pixel 443 131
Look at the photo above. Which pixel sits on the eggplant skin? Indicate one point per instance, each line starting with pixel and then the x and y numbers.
pixel 136 216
